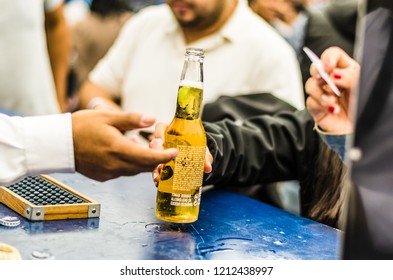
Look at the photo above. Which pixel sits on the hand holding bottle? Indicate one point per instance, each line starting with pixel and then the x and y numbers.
pixel 329 111
pixel 157 143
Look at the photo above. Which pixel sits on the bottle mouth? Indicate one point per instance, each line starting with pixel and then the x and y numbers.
pixel 195 52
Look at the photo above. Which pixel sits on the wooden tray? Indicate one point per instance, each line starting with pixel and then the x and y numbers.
pixel 39 198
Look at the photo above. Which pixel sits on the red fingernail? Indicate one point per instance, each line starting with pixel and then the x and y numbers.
pixel 331 109
pixel 337 76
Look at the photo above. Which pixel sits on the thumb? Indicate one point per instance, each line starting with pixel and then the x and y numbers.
pixel 334 57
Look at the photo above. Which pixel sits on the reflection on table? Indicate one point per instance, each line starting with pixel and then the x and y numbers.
pixel 230 226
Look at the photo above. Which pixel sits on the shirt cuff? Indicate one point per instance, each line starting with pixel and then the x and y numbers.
pixel 337 142
pixel 49 144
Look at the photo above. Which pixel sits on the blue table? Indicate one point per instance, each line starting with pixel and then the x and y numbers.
pixel 230 226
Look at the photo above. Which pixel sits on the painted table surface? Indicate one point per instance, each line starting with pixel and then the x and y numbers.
pixel 230 226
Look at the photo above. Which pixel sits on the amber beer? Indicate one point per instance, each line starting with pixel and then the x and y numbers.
pixel 180 185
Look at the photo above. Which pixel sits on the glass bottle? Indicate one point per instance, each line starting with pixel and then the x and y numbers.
pixel 180 185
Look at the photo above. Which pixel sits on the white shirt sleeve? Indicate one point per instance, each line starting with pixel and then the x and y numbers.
pixel 35 145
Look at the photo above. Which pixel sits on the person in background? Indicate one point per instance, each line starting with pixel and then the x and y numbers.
pixel 89 46
pixel 243 54
pixel 35 57
pixel 288 17
pixel 266 9
pixel 88 141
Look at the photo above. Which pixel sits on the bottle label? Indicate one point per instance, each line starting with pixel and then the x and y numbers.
pixel 188 175
pixel 188 200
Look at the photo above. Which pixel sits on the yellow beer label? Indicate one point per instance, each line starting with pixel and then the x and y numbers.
pixel 188 173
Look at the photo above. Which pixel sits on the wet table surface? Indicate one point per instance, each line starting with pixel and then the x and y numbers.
pixel 230 226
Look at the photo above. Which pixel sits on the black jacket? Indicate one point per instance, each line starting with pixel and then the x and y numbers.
pixel 265 148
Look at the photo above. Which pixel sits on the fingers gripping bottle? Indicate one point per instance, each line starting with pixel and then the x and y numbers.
pixel 180 186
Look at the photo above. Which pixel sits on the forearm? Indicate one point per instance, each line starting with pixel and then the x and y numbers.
pixel 59 47
pixel 92 96
pixel 263 149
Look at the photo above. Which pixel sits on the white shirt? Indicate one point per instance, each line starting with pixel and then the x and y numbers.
pixel 35 145
pixel 26 80
pixel 246 56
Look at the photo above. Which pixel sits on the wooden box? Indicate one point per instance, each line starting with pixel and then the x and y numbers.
pixel 39 198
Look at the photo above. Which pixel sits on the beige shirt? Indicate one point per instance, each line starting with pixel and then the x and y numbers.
pixel 246 56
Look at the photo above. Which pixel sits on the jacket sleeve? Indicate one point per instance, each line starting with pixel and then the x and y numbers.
pixel 262 149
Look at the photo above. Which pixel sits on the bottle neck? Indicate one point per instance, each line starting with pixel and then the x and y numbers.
pixel 190 94
pixel 189 101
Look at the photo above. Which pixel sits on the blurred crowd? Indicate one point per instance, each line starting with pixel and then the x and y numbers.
pixel 78 33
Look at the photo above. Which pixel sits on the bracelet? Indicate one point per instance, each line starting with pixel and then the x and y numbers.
pixel 94 102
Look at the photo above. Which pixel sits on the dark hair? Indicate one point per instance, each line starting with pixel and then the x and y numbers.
pixel 325 187
pixel 109 7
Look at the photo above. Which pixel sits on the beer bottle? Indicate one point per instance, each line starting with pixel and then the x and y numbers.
pixel 180 185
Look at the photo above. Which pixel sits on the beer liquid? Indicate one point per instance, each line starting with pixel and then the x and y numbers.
pixel 180 185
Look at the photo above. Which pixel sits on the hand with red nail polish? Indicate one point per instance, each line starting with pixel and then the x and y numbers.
pixel 330 112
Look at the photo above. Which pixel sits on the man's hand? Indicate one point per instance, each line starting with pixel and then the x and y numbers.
pixel 101 150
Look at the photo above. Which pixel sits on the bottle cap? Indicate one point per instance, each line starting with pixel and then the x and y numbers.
pixel 9 221
pixel 42 255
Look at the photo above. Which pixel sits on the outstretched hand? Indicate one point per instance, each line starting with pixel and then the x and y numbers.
pixel 102 152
